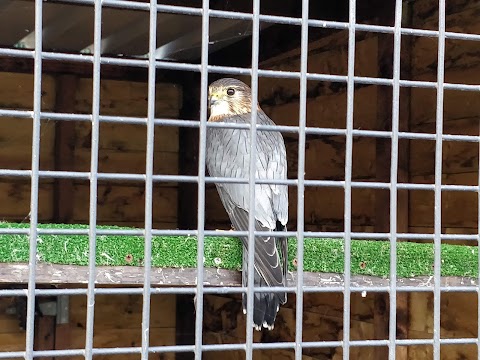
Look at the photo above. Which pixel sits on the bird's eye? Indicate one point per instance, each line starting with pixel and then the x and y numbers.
pixel 230 91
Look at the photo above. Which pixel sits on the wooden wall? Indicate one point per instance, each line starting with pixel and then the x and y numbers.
pixel 121 149
pixel 118 323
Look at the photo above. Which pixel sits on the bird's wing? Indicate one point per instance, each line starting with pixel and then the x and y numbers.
pixel 271 200
pixel 276 168
pixel 229 156
pixel 267 261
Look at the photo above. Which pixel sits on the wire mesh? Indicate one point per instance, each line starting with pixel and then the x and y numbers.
pixel 348 285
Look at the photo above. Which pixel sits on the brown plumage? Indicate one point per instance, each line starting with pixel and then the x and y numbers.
pixel 228 155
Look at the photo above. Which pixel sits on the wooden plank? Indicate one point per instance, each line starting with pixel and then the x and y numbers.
pixel 224 322
pixel 125 203
pixel 63 336
pixel 126 137
pixel 326 56
pixel 116 203
pixel 219 338
pixel 12 341
pixel 425 352
pixel 460 17
pixel 64 149
pixel 457 104
pixel 325 157
pixel 9 323
pixel 111 338
pixel 110 160
pixel 15 201
pixel 125 98
pixel 330 305
pixel 130 275
pixel 458 320
pixel 130 162
pixel 427 11
pixel 162 314
pixel 459 209
pixel 17 91
pixel 458 157
pixel 323 208
pixel 329 111
pixel 16 144
pixel 45 334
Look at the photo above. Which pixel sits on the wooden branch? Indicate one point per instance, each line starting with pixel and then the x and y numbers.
pixel 53 274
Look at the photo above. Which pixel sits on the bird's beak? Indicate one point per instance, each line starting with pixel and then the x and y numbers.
pixel 212 100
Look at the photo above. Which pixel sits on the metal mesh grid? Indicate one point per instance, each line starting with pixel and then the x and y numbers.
pixel 150 178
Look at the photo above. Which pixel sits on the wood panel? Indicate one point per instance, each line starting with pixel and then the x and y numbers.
pixel 459 209
pixel 325 157
pixel 322 321
pixel 16 91
pixel 458 157
pixel 118 337
pixel 16 144
pixel 112 330
pixel 12 341
pixel 457 104
pixel 224 323
pixel 125 203
pixel 126 137
pixel 329 111
pixel 122 149
pixel 15 200
pixel 162 313
pixel 125 98
pixel 327 55
pixel 12 337
pixel 461 17
pixel 458 320
pixel 113 161
pixel 116 203
pixel 323 208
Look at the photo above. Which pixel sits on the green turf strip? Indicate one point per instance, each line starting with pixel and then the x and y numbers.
pixel 321 255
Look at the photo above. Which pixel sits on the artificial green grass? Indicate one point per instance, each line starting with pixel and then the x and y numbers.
pixel 321 255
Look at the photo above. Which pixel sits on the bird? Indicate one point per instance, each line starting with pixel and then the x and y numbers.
pixel 228 155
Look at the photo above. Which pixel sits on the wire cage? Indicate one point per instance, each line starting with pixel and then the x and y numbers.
pixel 105 110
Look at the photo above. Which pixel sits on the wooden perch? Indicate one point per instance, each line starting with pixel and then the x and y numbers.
pixel 132 275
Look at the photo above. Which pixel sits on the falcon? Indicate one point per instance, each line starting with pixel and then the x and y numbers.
pixel 228 155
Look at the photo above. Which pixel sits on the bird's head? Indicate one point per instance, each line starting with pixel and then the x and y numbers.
pixel 228 97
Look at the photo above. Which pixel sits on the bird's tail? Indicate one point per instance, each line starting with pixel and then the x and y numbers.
pixel 265 304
